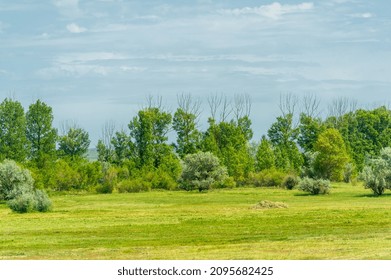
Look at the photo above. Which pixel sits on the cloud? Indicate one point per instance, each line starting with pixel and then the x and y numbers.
pixel 69 8
pixel 74 28
pixel 88 57
pixel 363 15
pixel 273 11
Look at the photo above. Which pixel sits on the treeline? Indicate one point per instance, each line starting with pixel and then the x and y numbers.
pixel 299 143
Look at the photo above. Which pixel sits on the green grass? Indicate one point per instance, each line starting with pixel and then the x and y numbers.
pixel 347 224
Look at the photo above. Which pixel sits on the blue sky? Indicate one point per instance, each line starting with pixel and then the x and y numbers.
pixel 95 61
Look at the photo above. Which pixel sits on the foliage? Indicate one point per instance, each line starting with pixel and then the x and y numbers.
pixel 349 172
pixel 314 186
pixel 332 155
pixel 14 180
pixel 265 158
pixel 267 178
pixel 148 132
pixel 74 143
pixel 188 136
pixel 283 135
pixel 201 171
pixel 41 135
pixel 64 176
pixel 13 141
pixel 290 181
pixel 309 130
pixel 134 186
pixel 377 173
pixel 16 187
pixel 229 141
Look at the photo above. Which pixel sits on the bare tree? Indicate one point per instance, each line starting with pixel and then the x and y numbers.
pixel 219 104
pixel 288 103
pixel 311 105
pixel 108 130
pixel 154 102
pixel 65 126
pixel 241 106
pixel 189 105
pixel 341 106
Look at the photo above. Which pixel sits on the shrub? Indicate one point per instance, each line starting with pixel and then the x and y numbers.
pixel 229 183
pixel 377 173
pixel 14 180
pixel 23 203
pixel 43 203
pixel 267 178
pixel 133 186
pixel 313 186
pixel 109 179
pixel 290 181
pixel 348 172
pixel 201 171
pixel 162 180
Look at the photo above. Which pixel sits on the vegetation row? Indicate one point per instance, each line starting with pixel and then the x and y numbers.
pixel 300 148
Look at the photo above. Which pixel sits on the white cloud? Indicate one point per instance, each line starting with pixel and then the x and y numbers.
pixel 69 8
pixel 273 11
pixel 88 57
pixel 74 28
pixel 363 15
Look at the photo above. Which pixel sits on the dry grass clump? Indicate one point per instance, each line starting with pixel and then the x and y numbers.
pixel 266 204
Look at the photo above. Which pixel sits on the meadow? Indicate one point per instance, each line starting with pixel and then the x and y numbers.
pixel 349 223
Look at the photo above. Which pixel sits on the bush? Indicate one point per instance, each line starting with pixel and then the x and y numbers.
pixel 23 203
pixel 290 181
pixel 229 183
pixel 377 173
pixel 133 186
pixel 348 172
pixel 14 180
pixel 267 178
pixel 16 186
pixel 313 186
pixel 201 171
pixel 43 203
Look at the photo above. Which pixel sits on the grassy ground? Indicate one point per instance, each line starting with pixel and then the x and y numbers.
pixel 347 224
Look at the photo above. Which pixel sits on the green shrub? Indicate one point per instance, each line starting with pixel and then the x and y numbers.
pixel 290 181
pixel 133 186
pixel 201 171
pixel 267 178
pixel 377 173
pixel 228 183
pixel 43 203
pixel 23 203
pixel 14 180
pixel 313 186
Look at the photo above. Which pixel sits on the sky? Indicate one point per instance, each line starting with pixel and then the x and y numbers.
pixel 95 61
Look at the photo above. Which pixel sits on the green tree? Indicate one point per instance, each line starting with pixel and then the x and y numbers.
pixel 309 130
pixel 229 141
pixel 265 155
pixel 332 156
pixel 13 141
pixel 188 136
pixel 123 147
pixel 283 136
pixel 201 171
pixel 40 133
pixel 74 143
pixel 148 131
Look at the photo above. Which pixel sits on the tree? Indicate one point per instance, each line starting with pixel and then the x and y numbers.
pixel 332 156
pixel 201 171
pixel 74 143
pixel 13 141
pixel 185 125
pixel 265 155
pixel 148 132
pixel 40 133
pixel 377 173
pixel 309 130
pixel 123 147
pixel 283 135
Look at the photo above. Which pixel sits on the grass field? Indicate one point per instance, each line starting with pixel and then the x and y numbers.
pixel 347 224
